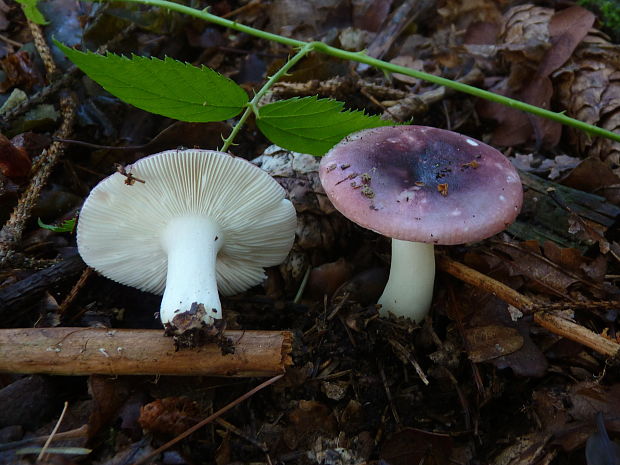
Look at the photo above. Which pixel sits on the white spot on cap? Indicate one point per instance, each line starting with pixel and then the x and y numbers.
pixel 456 212
pixel 502 198
pixel 472 142
pixel 407 194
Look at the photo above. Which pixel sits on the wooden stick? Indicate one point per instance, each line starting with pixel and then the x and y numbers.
pixel 571 330
pixel 548 320
pixel 482 281
pixel 86 351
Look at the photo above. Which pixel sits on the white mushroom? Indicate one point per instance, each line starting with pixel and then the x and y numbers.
pixel 202 220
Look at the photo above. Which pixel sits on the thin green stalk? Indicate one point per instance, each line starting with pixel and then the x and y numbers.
pixel 252 105
pixel 361 57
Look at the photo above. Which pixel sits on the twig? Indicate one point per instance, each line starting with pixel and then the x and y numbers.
pixel 462 397
pixel 338 306
pixel 209 419
pixel 550 321
pixel 63 80
pixel 232 428
pixel 455 314
pixel 49 440
pixel 86 351
pixel 39 96
pixel 331 315
pixel 404 15
pixel 571 330
pixel 388 394
pixel 407 356
pixel 11 41
pixel 68 300
pixel 593 305
pixel 482 281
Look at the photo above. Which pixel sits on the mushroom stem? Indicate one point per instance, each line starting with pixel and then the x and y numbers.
pixel 192 244
pixel 409 289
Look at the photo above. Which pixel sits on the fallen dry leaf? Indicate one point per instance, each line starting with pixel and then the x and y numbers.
pixel 309 419
pixel 487 342
pixel 170 415
pixel 489 311
pixel 14 161
pixel 535 42
pixel 596 176
pixel 19 71
pixel 540 274
pixel 567 28
pixel 108 396
pixel 523 450
pixel 326 278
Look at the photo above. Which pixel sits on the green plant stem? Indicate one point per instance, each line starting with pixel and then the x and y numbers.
pixel 361 57
pixel 252 105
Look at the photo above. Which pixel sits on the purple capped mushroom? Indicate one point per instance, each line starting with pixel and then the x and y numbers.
pixel 420 186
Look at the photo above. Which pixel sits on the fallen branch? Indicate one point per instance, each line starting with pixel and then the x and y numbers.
pixel 86 351
pixel 571 330
pixel 484 282
pixel 548 320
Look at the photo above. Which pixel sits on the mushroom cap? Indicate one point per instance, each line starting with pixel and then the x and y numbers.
pixel 422 184
pixel 120 225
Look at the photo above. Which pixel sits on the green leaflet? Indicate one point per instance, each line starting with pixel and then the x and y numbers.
pixel 312 125
pixel 166 87
pixel 32 12
pixel 66 226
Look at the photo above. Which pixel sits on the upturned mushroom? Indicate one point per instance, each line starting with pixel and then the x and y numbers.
pixel 197 221
pixel 420 186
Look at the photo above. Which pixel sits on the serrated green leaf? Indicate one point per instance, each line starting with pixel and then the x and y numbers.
pixel 312 125
pixel 65 226
pixel 166 87
pixel 32 12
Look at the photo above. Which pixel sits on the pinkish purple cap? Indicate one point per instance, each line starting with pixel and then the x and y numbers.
pixel 422 184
